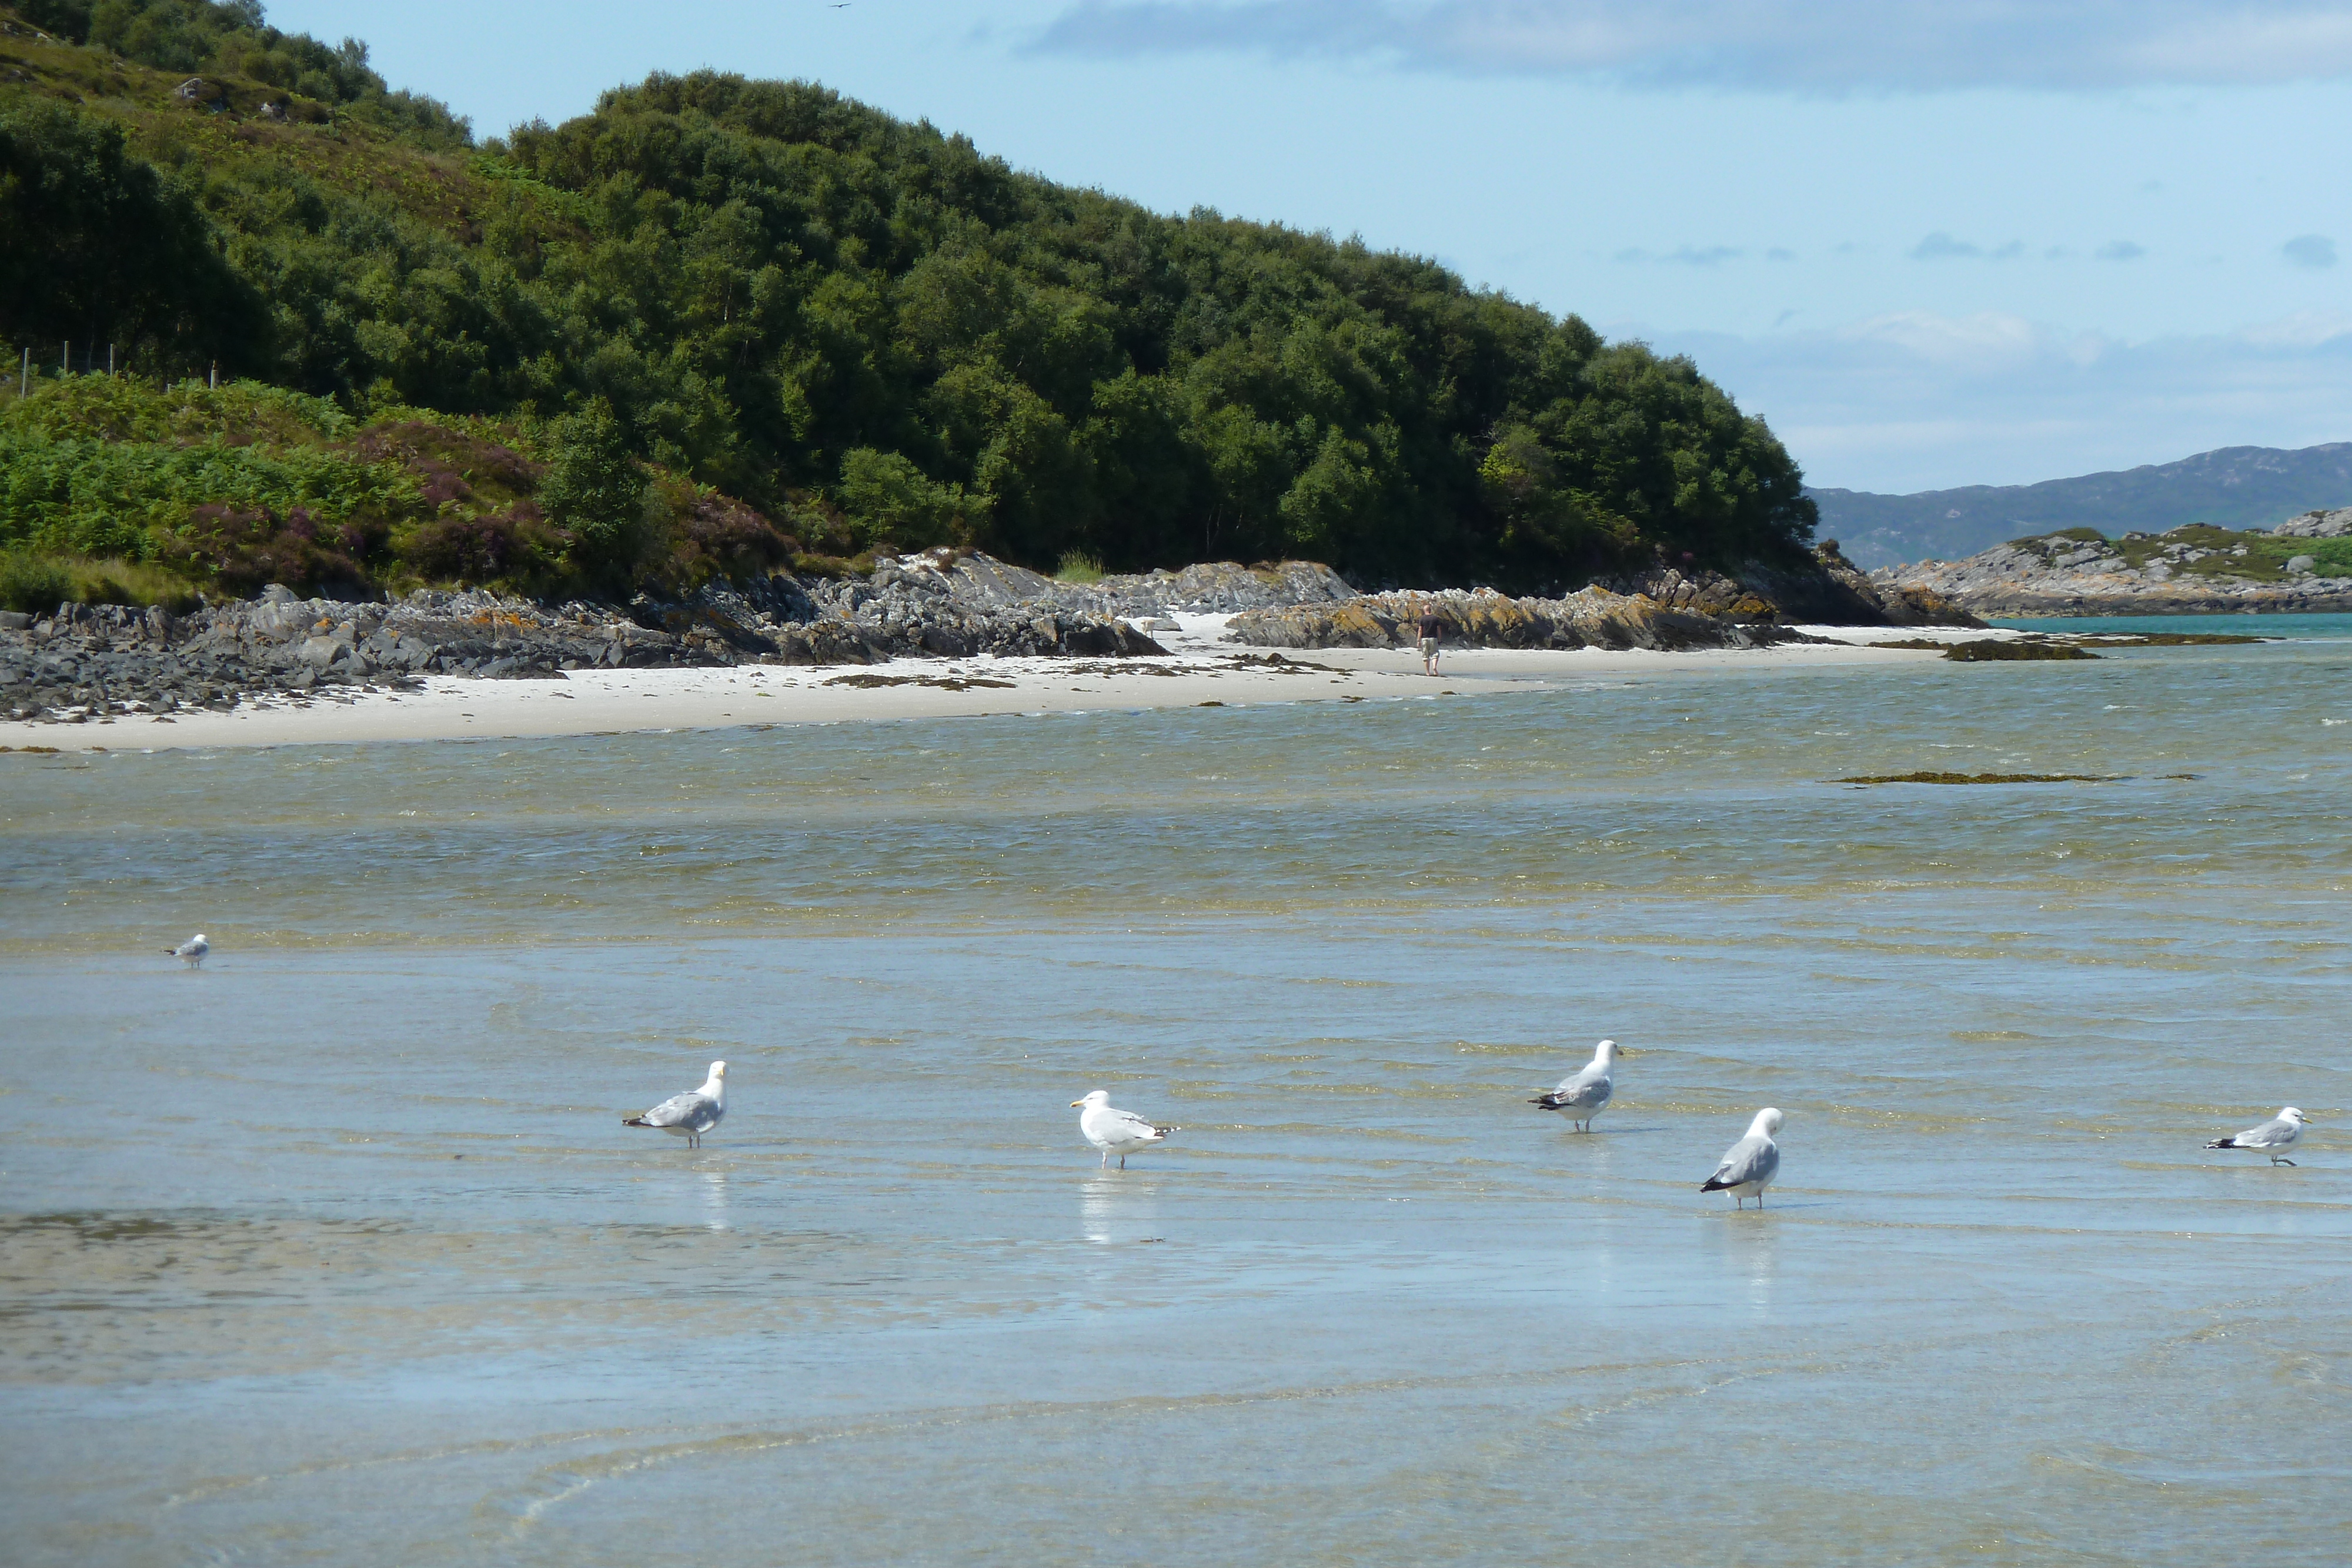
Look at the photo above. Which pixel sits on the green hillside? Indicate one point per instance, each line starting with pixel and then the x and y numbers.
pixel 766 300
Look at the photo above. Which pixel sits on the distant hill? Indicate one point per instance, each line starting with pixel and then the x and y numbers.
pixel 2234 487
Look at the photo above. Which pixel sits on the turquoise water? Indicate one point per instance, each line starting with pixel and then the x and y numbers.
pixel 2300 627
pixel 336 1251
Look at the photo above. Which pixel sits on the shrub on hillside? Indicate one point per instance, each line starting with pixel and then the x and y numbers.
pixel 31 584
pixel 518 546
pixel 595 492
pixel 243 549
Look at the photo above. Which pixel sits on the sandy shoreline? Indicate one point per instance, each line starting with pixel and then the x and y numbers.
pixel 1199 671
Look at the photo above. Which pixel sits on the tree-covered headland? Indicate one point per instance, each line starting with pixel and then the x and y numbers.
pixel 718 325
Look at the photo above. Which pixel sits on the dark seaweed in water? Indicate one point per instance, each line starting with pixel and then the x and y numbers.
pixel 1979 652
pixel 1983 779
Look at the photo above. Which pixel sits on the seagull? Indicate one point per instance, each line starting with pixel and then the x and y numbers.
pixel 1749 1165
pixel 2273 1137
pixel 190 952
pixel 689 1114
pixel 1584 1093
pixel 1119 1133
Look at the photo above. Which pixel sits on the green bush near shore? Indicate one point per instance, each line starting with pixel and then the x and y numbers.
pixel 1079 567
pixel 114 490
pixel 38 584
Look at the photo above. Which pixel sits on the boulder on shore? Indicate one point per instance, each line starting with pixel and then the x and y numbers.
pixel 1589 618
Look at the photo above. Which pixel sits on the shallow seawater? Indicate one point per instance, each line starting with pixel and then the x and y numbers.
pixel 335 1252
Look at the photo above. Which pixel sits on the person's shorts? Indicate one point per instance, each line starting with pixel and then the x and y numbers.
pixel 1429 647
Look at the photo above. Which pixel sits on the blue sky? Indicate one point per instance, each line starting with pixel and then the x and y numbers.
pixel 1935 244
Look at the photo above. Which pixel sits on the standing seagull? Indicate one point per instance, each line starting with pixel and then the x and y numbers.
pixel 2273 1137
pixel 1119 1133
pixel 1584 1093
pixel 190 952
pixel 1749 1165
pixel 689 1114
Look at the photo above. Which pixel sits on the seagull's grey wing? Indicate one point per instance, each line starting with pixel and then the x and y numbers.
pixel 691 1109
pixel 1127 1124
pixel 2278 1130
pixel 1752 1159
pixel 1579 1090
pixel 1589 1087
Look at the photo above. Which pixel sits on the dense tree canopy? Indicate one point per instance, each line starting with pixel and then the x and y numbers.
pixel 803 302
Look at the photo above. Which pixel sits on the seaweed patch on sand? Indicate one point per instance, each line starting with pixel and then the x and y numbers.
pixel 867 682
pixel 1981 779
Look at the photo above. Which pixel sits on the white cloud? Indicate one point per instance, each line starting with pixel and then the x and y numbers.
pixel 1920 401
pixel 1808 45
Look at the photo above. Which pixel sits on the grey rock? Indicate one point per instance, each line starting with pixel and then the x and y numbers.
pixel 2327 525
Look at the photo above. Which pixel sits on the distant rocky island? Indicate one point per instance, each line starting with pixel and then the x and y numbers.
pixel 2304 565
pixel 2237 487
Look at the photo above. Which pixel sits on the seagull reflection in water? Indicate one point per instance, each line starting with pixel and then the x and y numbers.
pixel 1118 1213
pixel 714 1200
pixel 1750 1257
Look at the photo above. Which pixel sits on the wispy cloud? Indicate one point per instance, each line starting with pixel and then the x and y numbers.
pixel 2120 250
pixel 1805 46
pixel 1941 246
pixel 2310 250
pixel 1917 401
pixel 1684 255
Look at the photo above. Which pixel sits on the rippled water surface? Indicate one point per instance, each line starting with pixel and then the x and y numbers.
pixel 336 1252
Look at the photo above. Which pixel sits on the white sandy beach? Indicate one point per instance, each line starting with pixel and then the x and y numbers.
pixel 1199 671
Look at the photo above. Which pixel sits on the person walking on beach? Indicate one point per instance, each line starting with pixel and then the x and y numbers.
pixel 1433 627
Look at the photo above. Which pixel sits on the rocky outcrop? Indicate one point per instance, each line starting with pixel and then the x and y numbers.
pixel 2333 525
pixel 1592 618
pixel 2185 573
pixel 1213 588
pixel 1827 591
pixel 90 661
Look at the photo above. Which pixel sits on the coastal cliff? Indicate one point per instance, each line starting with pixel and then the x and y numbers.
pixel 2303 566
